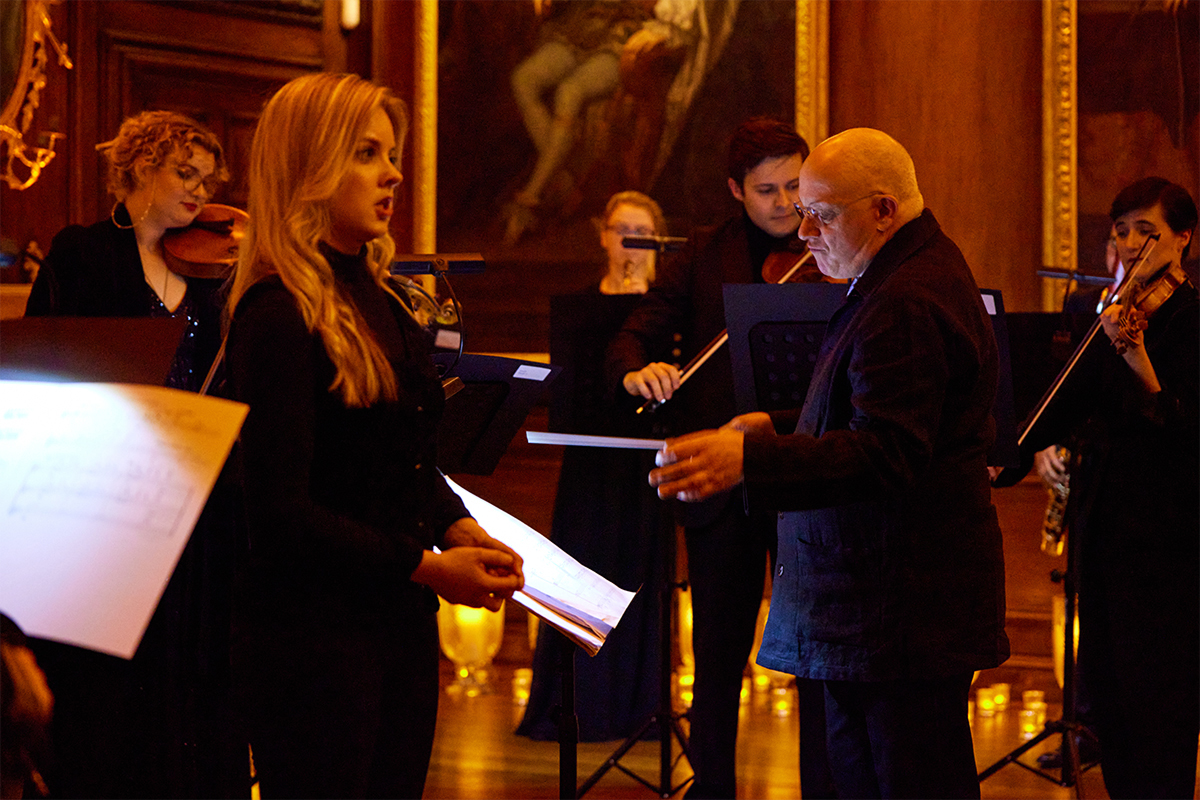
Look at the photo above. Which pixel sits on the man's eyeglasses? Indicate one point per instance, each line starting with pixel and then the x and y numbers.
pixel 826 216
pixel 626 230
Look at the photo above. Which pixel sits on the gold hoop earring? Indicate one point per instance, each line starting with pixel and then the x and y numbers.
pixel 113 214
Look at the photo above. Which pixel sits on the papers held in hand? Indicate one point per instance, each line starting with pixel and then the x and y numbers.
pixel 581 604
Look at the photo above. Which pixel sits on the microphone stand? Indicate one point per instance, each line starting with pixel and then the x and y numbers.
pixel 665 718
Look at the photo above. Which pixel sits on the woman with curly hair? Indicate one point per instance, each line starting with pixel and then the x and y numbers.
pixel 162 168
pixel 151 726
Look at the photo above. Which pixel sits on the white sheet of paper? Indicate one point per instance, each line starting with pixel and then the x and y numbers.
pixel 584 440
pixel 548 569
pixel 100 487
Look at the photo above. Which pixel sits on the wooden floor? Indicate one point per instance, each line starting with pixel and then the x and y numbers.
pixel 477 756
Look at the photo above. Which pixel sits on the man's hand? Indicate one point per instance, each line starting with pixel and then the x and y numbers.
pixel 655 381
pixel 758 422
pixel 699 465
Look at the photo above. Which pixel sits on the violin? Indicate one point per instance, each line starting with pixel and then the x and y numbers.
pixel 1140 295
pixel 782 267
pixel 1146 297
pixel 208 248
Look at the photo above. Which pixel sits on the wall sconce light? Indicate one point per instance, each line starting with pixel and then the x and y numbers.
pixel 351 14
pixel 29 24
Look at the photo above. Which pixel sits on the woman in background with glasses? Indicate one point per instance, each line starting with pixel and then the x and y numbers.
pixel 151 726
pixel 605 514
pixel 630 270
pixel 162 168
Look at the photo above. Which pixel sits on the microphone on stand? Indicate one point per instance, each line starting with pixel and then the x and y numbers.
pixel 437 264
pixel 663 244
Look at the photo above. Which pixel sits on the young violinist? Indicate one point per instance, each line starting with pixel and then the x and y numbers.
pixel 1131 410
pixel 162 169
pixel 727 549
pixel 148 727
pixel 336 650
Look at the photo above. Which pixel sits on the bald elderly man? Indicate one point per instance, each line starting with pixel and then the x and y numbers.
pixel 889 585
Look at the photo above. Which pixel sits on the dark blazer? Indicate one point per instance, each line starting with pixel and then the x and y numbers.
pixel 95 271
pixel 890 558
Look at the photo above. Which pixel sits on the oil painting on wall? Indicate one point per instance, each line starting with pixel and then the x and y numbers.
pixel 548 108
pixel 1138 109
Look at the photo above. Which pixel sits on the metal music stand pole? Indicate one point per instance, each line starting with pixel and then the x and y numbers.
pixel 1068 726
pixel 664 717
pixel 568 722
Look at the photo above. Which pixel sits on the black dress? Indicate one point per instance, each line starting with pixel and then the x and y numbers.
pixel 609 519
pixel 1133 515
pixel 152 726
pixel 336 651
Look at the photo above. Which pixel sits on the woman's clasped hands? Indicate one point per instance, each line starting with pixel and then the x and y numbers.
pixel 474 569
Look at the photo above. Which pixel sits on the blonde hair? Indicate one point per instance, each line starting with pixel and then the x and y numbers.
pixel 647 204
pixel 302 147
pixel 149 139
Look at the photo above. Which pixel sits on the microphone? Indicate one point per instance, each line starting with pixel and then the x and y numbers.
pixel 437 264
pixel 663 244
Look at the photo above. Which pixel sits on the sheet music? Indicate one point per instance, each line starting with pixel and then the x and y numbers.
pixel 584 440
pixel 100 487
pixel 552 577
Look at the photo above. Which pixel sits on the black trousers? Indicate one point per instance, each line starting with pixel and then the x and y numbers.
pixel 345 714
pixel 726 566
pixel 901 738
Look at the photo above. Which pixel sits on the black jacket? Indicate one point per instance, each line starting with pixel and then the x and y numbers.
pixel 890 555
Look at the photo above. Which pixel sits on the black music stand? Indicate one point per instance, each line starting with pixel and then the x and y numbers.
pixel 93 349
pixel 665 718
pixel 775 335
pixel 1043 342
pixel 580 328
pixel 1068 726
pixel 486 412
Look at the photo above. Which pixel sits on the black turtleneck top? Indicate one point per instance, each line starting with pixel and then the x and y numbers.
pixel 342 502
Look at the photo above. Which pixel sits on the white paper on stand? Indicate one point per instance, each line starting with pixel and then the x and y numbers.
pixel 579 602
pixel 100 488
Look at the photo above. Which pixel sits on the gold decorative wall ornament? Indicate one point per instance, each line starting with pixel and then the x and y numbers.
pixel 32 19
pixel 424 125
pixel 1060 138
pixel 812 70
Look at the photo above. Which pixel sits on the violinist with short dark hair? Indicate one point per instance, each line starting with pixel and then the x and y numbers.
pixel 1134 509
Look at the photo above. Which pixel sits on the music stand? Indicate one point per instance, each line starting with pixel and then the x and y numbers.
pixel 484 415
pixel 1041 348
pixel 90 349
pixel 580 328
pixel 665 718
pixel 775 335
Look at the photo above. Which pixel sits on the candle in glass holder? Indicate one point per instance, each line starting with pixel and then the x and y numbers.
pixel 1032 720
pixel 522 678
pixel 985 701
pixel 1033 698
pixel 1000 695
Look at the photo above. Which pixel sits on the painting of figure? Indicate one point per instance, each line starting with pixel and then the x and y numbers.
pixel 548 108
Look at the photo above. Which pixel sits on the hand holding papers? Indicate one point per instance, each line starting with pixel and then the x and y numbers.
pixel 100 487
pixel 574 599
